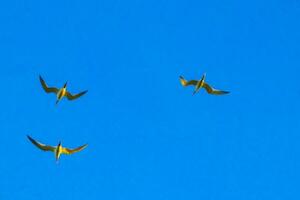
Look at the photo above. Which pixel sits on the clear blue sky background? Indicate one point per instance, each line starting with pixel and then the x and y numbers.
pixel 149 138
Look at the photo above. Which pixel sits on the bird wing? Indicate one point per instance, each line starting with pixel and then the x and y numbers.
pixel 211 90
pixel 71 151
pixel 187 83
pixel 46 88
pixel 72 97
pixel 40 145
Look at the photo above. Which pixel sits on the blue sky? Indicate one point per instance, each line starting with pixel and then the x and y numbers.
pixel 150 138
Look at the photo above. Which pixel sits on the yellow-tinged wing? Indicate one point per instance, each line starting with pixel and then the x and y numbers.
pixel 72 97
pixel 71 151
pixel 211 90
pixel 40 145
pixel 187 83
pixel 46 88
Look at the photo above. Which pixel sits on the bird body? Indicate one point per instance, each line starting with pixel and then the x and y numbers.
pixel 201 84
pixel 60 93
pixel 57 150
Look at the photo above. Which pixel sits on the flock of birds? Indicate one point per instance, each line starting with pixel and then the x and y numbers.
pixel 62 92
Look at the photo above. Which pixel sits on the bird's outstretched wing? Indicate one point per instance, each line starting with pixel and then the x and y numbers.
pixel 211 90
pixel 187 83
pixel 71 151
pixel 72 97
pixel 40 145
pixel 46 88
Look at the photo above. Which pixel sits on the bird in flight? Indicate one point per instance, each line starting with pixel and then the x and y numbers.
pixel 58 150
pixel 60 92
pixel 201 83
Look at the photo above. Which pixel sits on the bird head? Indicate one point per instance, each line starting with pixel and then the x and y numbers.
pixel 65 85
pixel 203 76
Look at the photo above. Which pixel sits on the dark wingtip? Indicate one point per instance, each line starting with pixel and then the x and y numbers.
pixel 30 138
pixel 84 92
pixel 41 80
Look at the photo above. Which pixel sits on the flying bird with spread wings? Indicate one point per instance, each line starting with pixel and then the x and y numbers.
pixel 201 84
pixel 58 150
pixel 60 92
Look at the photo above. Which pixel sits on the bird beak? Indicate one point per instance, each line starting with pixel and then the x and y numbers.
pixel 65 85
